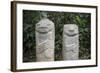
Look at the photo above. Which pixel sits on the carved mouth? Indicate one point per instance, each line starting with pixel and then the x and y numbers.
pixel 71 34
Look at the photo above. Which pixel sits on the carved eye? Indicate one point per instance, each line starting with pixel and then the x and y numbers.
pixel 48 24
pixel 71 30
pixel 38 24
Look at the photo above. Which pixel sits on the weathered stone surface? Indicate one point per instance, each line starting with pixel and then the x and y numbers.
pixel 70 42
pixel 45 40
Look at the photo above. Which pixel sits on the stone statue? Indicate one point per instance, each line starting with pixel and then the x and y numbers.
pixel 45 37
pixel 70 42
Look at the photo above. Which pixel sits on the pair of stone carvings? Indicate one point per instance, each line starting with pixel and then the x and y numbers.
pixel 45 38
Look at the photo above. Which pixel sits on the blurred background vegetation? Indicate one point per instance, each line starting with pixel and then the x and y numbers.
pixel 30 18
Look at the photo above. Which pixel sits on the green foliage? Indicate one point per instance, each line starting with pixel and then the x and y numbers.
pixel 30 18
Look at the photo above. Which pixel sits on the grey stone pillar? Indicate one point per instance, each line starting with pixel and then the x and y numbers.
pixel 70 42
pixel 45 37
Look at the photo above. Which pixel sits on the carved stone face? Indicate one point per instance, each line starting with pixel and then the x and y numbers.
pixel 71 29
pixel 44 26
